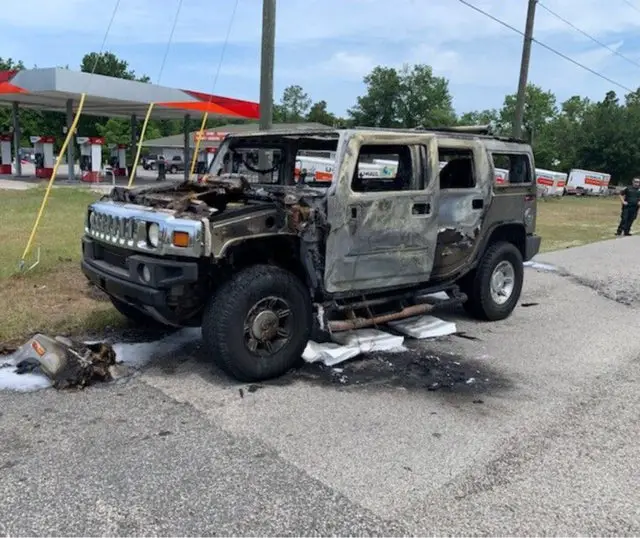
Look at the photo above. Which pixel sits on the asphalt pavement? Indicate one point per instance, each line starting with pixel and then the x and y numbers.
pixel 522 427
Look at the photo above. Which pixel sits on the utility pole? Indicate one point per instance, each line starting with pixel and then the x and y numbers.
pixel 524 69
pixel 267 62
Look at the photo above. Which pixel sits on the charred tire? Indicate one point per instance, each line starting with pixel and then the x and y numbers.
pixel 133 314
pixel 494 288
pixel 258 323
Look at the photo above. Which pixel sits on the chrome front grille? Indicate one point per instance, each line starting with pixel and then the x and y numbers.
pixel 126 226
pixel 114 229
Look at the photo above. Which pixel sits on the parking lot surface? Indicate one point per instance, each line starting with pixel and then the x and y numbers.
pixel 527 426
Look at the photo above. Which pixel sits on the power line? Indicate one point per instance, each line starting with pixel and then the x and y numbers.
pixel 597 41
pixel 632 5
pixel 173 29
pixel 547 47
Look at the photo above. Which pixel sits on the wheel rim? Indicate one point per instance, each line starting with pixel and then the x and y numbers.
pixel 268 326
pixel 503 281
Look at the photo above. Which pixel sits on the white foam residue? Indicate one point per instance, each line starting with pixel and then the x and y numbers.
pixel 28 382
pixel 541 266
pixel 139 354
pixel 422 327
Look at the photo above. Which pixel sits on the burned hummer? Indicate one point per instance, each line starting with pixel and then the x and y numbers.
pixel 265 258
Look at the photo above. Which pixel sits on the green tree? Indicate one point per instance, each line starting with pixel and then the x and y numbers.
pixel 379 107
pixel 108 64
pixel 294 104
pixel 540 111
pixel 424 99
pixel 410 97
pixel 479 117
pixel 318 113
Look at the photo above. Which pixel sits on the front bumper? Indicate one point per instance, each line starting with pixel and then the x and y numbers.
pixel 125 281
pixel 532 246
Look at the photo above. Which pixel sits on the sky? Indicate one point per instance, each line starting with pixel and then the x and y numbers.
pixel 328 46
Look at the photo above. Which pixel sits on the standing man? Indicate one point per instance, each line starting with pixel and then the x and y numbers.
pixel 630 198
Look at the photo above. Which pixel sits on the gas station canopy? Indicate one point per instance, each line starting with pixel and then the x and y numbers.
pixel 53 88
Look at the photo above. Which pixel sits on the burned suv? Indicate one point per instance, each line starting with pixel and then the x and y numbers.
pixel 266 254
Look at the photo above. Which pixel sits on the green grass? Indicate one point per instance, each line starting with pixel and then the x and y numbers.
pixel 574 221
pixel 54 297
pixel 59 231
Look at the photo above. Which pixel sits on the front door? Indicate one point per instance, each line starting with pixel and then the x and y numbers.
pixel 383 218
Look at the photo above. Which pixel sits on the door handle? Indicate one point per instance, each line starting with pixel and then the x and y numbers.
pixel 353 212
pixel 421 208
pixel 477 203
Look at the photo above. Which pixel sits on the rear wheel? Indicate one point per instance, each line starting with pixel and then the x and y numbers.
pixel 494 288
pixel 257 324
pixel 173 169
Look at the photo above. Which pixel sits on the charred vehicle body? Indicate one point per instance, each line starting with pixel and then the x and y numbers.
pixel 265 256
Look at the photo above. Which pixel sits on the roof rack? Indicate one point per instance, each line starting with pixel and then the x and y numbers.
pixel 486 130
pixel 469 129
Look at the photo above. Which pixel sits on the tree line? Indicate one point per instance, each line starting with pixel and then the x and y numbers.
pixel 577 133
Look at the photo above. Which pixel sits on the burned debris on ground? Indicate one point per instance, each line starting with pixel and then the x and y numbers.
pixel 67 363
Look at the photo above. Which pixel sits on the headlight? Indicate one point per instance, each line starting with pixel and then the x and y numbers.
pixel 153 234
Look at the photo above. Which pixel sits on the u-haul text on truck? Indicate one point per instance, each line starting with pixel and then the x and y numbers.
pixel 587 182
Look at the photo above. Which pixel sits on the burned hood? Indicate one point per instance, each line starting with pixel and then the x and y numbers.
pixel 188 197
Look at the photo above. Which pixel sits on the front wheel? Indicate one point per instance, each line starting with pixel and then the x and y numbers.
pixel 258 323
pixel 173 170
pixel 493 290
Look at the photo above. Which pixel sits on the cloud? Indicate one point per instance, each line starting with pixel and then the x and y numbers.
pixel 327 46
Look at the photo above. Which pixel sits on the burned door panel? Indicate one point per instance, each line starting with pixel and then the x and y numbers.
pixel 382 239
pixel 465 196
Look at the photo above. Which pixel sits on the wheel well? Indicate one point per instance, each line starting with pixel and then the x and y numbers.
pixel 283 251
pixel 511 233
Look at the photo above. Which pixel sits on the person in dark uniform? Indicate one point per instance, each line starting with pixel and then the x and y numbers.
pixel 630 198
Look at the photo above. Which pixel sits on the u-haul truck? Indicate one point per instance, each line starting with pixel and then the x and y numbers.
pixel 321 169
pixel 588 182
pixel 545 180
pixel 550 182
pixel 560 183
pixel 501 176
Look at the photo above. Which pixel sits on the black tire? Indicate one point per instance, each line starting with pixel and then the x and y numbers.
pixel 477 285
pixel 133 314
pixel 173 170
pixel 231 308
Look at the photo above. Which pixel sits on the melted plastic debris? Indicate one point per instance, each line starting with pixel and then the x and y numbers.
pixel 369 340
pixel 422 327
pixel 26 371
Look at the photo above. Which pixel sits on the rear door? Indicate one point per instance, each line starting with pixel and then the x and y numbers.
pixel 383 228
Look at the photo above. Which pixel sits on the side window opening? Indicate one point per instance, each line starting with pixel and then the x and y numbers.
pixel 457 168
pixel 517 165
pixel 386 168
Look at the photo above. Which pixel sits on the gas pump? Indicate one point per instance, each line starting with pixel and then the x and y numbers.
pixel 5 153
pixel 43 155
pixel 118 160
pixel 90 157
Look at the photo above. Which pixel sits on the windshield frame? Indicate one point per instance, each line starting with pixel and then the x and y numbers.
pixel 288 144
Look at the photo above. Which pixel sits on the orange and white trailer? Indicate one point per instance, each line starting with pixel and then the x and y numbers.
pixel 501 176
pixel 588 182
